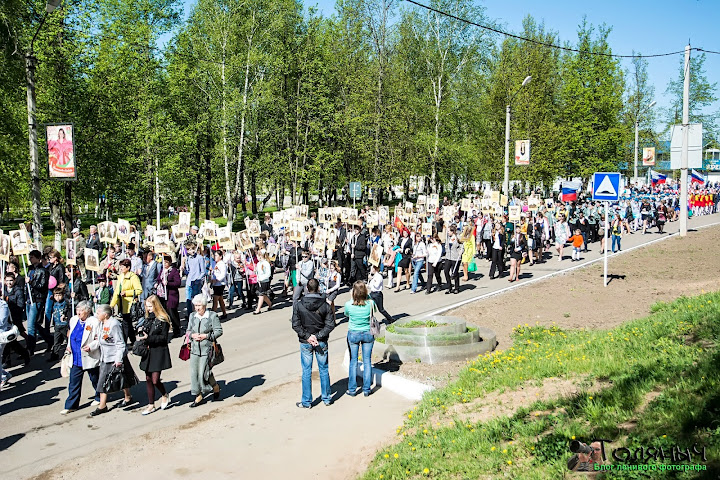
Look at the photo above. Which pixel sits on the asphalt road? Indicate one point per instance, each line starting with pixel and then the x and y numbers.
pixel 261 352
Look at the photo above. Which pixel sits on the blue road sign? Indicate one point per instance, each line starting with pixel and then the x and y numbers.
pixel 355 190
pixel 606 186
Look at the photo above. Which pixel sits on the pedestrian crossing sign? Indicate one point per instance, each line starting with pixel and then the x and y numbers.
pixel 606 186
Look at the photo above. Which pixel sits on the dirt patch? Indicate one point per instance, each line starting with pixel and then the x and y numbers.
pixel 630 425
pixel 660 272
pixel 506 403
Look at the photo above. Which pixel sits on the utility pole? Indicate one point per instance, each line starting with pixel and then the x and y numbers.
pixel 684 156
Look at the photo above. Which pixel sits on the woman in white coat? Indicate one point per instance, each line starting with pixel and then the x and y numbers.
pixel 84 347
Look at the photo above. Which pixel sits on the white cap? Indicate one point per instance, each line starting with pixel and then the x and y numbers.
pixel 75 230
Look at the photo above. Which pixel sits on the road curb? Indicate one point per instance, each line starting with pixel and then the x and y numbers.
pixel 406 388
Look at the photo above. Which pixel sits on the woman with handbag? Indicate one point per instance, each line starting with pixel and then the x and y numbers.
pixel 84 349
pixel 168 289
pixel 157 354
pixel 204 329
pixel 125 296
pixel 113 356
pixel 359 311
pixel 406 250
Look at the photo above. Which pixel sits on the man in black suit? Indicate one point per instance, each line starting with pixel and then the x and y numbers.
pixel 358 251
pixel 340 248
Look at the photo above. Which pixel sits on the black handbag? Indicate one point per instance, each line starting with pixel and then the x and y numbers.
pixel 119 378
pixel 136 311
pixel 139 348
pixel 215 355
pixel 115 381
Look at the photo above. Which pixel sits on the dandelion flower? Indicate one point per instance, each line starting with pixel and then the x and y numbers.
pixel 426 471
pixel 396 456
pixel 387 456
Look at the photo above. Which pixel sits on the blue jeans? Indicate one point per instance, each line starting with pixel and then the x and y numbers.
pixel 191 290
pixel 355 339
pixel 235 289
pixel 306 360
pixel 417 268
pixel 75 386
pixel 35 326
pixel 48 309
pixel 615 239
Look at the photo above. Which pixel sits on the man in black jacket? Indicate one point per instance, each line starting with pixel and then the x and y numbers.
pixel 312 320
pixel 340 248
pixel 358 251
pixel 38 279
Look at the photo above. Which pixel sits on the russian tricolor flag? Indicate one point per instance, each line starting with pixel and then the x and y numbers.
pixel 657 178
pixel 695 177
pixel 570 191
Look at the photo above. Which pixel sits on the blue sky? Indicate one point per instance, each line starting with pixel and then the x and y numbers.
pixel 646 26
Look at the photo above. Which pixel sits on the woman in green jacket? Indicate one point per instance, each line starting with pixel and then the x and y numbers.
pixel 204 328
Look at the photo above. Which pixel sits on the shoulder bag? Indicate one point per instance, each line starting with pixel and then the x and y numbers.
pixel 374 324
pixel 215 355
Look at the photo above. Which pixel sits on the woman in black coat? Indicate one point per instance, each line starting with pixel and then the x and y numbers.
pixel 406 250
pixel 157 354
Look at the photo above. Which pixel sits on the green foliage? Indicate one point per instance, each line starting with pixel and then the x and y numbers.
pixel 655 384
pixel 261 98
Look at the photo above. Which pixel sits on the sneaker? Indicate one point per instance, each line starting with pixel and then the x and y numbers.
pixel 164 405
pixel 301 405
pixel 68 410
pixel 95 403
pixel 5 380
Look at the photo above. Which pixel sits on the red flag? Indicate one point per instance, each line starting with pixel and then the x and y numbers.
pixel 400 225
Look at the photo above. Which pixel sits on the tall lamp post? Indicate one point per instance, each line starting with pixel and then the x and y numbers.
pixel 637 122
pixel 30 64
pixel 506 180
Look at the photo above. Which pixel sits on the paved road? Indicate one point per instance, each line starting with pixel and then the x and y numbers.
pixel 261 352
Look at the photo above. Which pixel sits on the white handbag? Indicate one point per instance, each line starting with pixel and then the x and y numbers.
pixel 66 364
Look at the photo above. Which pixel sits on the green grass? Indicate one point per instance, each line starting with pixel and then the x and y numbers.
pixel 673 351
pixel 422 324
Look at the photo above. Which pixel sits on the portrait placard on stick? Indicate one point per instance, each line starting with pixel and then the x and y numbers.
pixel 375 255
pixel 183 225
pixel 421 200
pixel 92 260
pixel 5 248
pixel 426 229
pixel 70 251
pixel 225 238
pixel 61 151
pixel 331 239
pixel 514 213
pixel 19 242
pixel 162 241
pixel 123 230
pixel 383 215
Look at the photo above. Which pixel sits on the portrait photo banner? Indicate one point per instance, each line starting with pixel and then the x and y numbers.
pixel 61 151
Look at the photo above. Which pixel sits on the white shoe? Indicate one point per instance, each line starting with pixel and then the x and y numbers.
pixel 164 405
pixel 66 411
pixel 94 403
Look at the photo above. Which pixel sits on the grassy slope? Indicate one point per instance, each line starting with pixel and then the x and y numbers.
pixel 673 351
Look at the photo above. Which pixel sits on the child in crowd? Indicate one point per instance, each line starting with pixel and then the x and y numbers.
pixel 60 313
pixel 577 243
pixel 102 293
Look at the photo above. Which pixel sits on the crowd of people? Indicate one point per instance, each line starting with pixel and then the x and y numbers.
pixel 132 305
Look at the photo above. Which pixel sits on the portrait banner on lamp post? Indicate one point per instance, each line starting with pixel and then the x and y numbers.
pixel 60 139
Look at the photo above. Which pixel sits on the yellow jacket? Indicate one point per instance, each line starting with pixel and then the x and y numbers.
pixel 129 284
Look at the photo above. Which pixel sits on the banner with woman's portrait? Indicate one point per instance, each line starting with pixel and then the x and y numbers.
pixel 61 151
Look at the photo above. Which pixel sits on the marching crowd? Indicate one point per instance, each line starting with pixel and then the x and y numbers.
pixel 134 305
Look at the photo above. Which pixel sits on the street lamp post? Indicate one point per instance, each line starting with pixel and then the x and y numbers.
pixel 30 64
pixel 506 180
pixel 637 122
